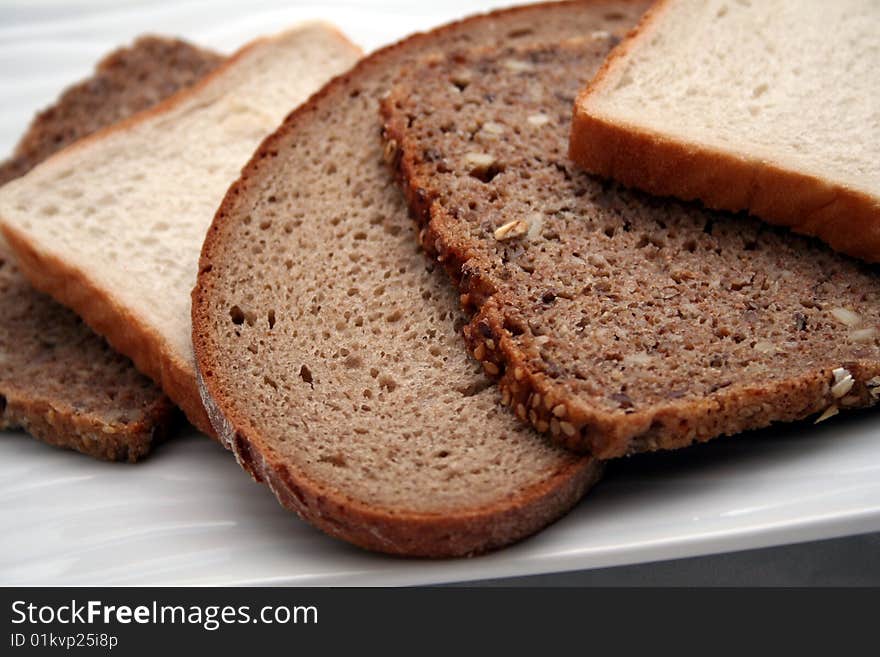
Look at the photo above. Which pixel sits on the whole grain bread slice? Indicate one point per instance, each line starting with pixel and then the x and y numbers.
pixel 112 226
pixel 616 321
pixel 329 348
pixel 786 128
pixel 60 381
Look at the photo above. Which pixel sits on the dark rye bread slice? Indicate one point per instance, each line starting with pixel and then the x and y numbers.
pixel 60 381
pixel 617 322
pixel 329 350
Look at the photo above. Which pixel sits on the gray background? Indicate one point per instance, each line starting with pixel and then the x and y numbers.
pixel 850 561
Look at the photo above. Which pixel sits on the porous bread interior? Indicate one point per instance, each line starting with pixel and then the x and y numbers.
pixel 790 83
pixel 337 341
pixel 130 211
pixel 344 345
pixel 629 305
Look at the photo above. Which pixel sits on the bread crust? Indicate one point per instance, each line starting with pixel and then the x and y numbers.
pixel 846 219
pixel 124 329
pixel 468 532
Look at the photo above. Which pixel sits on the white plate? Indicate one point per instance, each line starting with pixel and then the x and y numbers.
pixel 189 515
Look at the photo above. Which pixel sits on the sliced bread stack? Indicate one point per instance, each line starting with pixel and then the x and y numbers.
pixel 771 107
pixel 385 435
pixel 616 322
pixel 329 348
pixel 58 380
pixel 112 226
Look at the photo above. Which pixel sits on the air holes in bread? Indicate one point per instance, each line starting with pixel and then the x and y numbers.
pixel 306 375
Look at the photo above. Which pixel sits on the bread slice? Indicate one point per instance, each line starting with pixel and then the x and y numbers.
pixel 60 381
pixel 770 107
pixel 112 226
pixel 329 348
pixel 617 322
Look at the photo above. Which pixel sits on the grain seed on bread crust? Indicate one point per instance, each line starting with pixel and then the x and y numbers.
pixel 329 349
pixel 59 381
pixel 622 322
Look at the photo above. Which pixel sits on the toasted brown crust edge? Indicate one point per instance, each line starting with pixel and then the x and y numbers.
pixel 411 534
pixel 125 332
pixel 846 219
pixel 605 435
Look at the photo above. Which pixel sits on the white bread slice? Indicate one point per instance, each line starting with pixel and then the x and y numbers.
pixel 771 107
pixel 112 226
